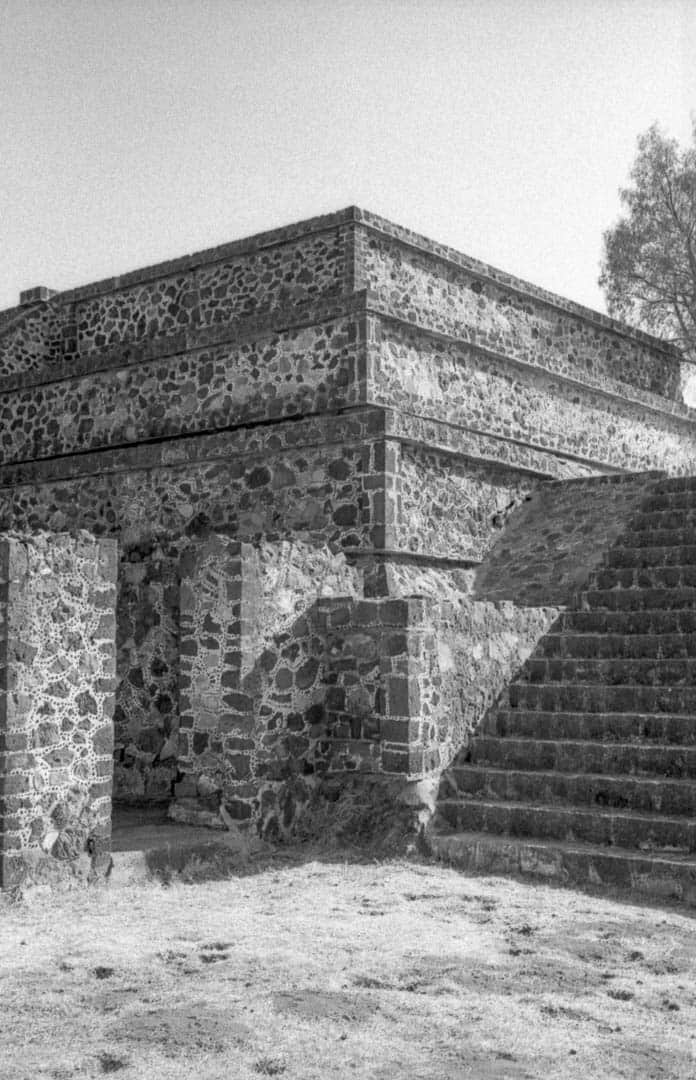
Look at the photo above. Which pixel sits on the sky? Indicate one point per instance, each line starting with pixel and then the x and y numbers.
pixel 134 131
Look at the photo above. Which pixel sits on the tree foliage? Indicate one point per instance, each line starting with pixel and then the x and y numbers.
pixel 649 263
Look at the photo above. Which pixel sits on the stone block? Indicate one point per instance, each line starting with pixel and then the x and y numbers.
pixel 396 760
pixel 239 764
pixel 37 294
pixel 335 698
pixel 366 613
pixel 394 612
pixel 403 696
pixel 400 730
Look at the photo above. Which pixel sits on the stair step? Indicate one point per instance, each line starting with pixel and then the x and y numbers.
pixel 644 671
pixel 669 500
pixel 646 621
pixel 589 774
pixel 670 484
pixel 680 517
pixel 644 832
pixel 629 794
pixel 684 536
pixel 600 727
pixel 639 557
pixel 588 866
pixel 649 577
pixel 574 755
pixel 654 598
pixel 588 697
pixel 575 646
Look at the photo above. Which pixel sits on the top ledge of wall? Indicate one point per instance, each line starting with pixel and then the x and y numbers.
pixel 38 292
pixel 323 223
pixel 607 478
pixel 500 277
pixel 243 246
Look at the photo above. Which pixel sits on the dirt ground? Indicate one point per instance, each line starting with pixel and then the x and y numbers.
pixel 305 968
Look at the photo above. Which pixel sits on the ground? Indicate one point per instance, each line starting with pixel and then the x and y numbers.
pixel 309 967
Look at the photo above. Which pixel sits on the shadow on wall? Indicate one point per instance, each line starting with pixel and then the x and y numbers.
pixel 550 546
pixel 291 681
pixel 288 575
pixel 561 532
pixel 146 713
pixel 381 691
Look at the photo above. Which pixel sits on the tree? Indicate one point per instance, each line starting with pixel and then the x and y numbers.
pixel 648 270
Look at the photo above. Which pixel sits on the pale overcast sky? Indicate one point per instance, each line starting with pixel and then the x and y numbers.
pixel 133 131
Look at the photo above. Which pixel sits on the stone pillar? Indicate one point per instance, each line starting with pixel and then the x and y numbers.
pixel 381 704
pixel 57 679
pixel 216 716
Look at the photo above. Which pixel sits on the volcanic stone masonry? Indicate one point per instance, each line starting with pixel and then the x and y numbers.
pixel 307 445
pixel 58 594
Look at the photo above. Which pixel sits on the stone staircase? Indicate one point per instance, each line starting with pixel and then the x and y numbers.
pixel 587 774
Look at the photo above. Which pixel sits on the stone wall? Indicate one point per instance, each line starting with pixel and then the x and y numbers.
pixel 283 688
pixel 248 278
pixel 216 720
pixel 146 716
pixel 249 676
pixel 56 705
pixel 366 409
pixel 30 340
pixel 412 678
pixel 557 537
pixel 314 478
pixel 481 645
pixel 318 474
pixel 223 285
pixel 127 397
pixel 582 419
pixel 494 450
pixel 442 290
pixel 449 506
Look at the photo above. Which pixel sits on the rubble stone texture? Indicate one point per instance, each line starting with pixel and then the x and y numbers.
pixel 57 650
pixel 281 686
pixel 335 457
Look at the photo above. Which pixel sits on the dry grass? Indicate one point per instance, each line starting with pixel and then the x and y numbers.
pixel 315 969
